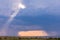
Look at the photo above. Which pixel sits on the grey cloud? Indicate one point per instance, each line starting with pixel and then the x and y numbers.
pixel 8 6
pixel 48 6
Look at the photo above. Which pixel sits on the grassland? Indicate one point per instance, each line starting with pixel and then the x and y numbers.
pixel 26 38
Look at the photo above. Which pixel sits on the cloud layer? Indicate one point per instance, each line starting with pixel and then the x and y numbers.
pixel 38 15
pixel 49 6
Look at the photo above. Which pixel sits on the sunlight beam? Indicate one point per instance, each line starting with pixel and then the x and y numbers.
pixel 6 25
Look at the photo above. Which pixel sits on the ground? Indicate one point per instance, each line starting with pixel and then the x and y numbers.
pixel 26 38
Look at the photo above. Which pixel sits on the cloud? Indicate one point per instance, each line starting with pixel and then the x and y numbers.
pixel 39 7
pixel 25 27
pixel 43 3
pixel 33 33
pixel 3 33
pixel 50 6
pixel 4 8
pixel 53 33
pixel 7 7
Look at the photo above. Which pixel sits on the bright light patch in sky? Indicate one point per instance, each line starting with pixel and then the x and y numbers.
pixel 33 33
pixel 21 6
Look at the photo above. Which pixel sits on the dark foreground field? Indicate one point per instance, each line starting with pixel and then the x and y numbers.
pixel 27 38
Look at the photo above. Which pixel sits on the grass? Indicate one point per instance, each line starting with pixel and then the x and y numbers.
pixel 26 38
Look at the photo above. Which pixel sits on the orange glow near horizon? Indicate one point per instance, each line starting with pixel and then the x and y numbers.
pixel 32 33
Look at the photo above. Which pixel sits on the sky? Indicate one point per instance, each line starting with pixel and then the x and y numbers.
pixel 31 15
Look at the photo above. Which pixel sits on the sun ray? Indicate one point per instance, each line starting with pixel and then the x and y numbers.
pixel 6 25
